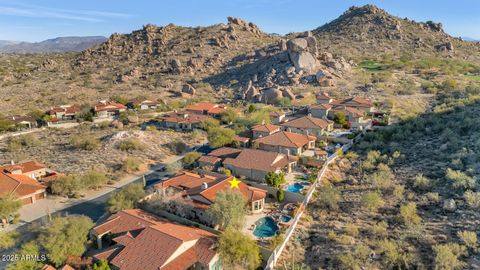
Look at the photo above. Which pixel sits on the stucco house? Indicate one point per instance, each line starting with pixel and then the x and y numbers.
pixel 264 130
pixel 182 121
pixel 142 241
pixel 22 187
pixel 286 142
pixel 207 108
pixel 309 125
pixel 255 164
pixel 64 112
pixel 142 104
pixel 32 169
pixel 277 117
pixel 105 109
pixel 202 189
pixel 23 121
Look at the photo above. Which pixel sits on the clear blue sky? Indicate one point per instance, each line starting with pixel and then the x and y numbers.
pixel 35 20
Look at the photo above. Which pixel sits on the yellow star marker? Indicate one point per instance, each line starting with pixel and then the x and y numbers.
pixel 234 183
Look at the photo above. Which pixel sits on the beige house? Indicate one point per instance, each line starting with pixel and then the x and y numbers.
pixel 309 126
pixel 182 121
pixel 287 143
pixel 142 241
pixel 264 130
pixel 105 109
pixel 255 164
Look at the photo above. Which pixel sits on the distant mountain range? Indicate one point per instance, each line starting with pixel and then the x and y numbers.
pixel 60 44
pixel 469 39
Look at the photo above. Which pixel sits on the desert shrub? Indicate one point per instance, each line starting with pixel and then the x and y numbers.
pixel 356 259
pixel 472 199
pixel 371 201
pixel 398 192
pixel 275 179
pixel 421 183
pixel 178 147
pixel 191 157
pixel 433 197
pixel 379 229
pixel 93 179
pixel 328 197
pixel 382 178
pixel 276 241
pixel 174 167
pixel 84 142
pixel 127 198
pixel 447 256
pixel 394 255
pixel 408 214
pixel 218 137
pixel 352 229
pixel 238 251
pixel 8 239
pixel 131 164
pixel 460 180
pixel 131 144
pixel 68 185
pixel 469 239
pixel 209 124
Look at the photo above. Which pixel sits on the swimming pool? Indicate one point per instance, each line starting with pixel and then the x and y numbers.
pixel 265 227
pixel 285 218
pixel 297 187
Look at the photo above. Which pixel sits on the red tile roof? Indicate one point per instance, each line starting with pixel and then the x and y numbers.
pixel 209 159
pixel 108 106
pixel 48 267
pixel 259 160
pixel 308 122
pixel 325 106
pixel 67 109
pixel 139 101
pixel 210 108
pixel 287 139
pixel 241 139
pixel 276 114
pixel 225 151
pixel 18 184
pixel 25 167
pixel 161 245
pixel 358 102
pixel 126 221
pixel 207 186
pixel 266 128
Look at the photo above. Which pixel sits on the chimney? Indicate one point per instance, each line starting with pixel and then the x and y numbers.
pixel 204 185
pixel 12 162
pixel 288 152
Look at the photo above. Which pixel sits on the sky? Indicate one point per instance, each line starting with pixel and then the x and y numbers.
pixel 36 20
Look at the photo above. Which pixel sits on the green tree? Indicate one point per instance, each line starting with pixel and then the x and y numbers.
pixel 229 209
pixel 65 237
pixel 328 197
pixel 127 198
pixel 447 256
pixel 68 185
pixel 371 201
pixel 209 124
pixel 218 137
pixel 191 157
pixel 228 116
pixel 28 249
pixel 280 195
pixel 9 206
pixel 275 179
pixel 9 239
pixel 394 256
pixel 340 119
pixel 101 265
pixel 238 251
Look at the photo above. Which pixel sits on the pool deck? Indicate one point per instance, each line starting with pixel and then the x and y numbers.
pixel 252 218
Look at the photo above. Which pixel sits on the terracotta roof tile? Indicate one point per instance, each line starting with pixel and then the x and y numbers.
pixel 225 151
pixel 19 185
pixel 308 122
pixel 184 117
pixel 108 106
pixel 266 128
pixel 209 159
pixel 26 167
pixel 286 139
pixel 258 160
pixel 241 139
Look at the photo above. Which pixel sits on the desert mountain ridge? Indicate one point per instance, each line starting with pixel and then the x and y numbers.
pixel 54 45
pixel 235 60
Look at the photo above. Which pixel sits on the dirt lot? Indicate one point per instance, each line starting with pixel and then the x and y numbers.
pixel 54 148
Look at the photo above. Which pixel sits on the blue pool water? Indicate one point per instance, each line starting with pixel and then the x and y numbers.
pixel 297 187
pixel 265 227
pixel 285 218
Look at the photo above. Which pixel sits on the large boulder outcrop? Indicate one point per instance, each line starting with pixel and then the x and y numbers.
pixel 302 52
pixel 271 95
pixel 188 89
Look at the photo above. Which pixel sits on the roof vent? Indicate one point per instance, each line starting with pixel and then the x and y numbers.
pixel 204 185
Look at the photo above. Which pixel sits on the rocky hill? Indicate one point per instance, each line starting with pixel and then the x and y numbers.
pixel 235 60
pixel 370 31
pixel 60 44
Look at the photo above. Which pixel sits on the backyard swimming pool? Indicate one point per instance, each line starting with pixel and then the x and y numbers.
pixel 285 218
pixel 297 187
pixel 265 227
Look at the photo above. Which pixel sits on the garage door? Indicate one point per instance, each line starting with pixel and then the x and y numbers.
pixel 39 196
pixel 27 201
